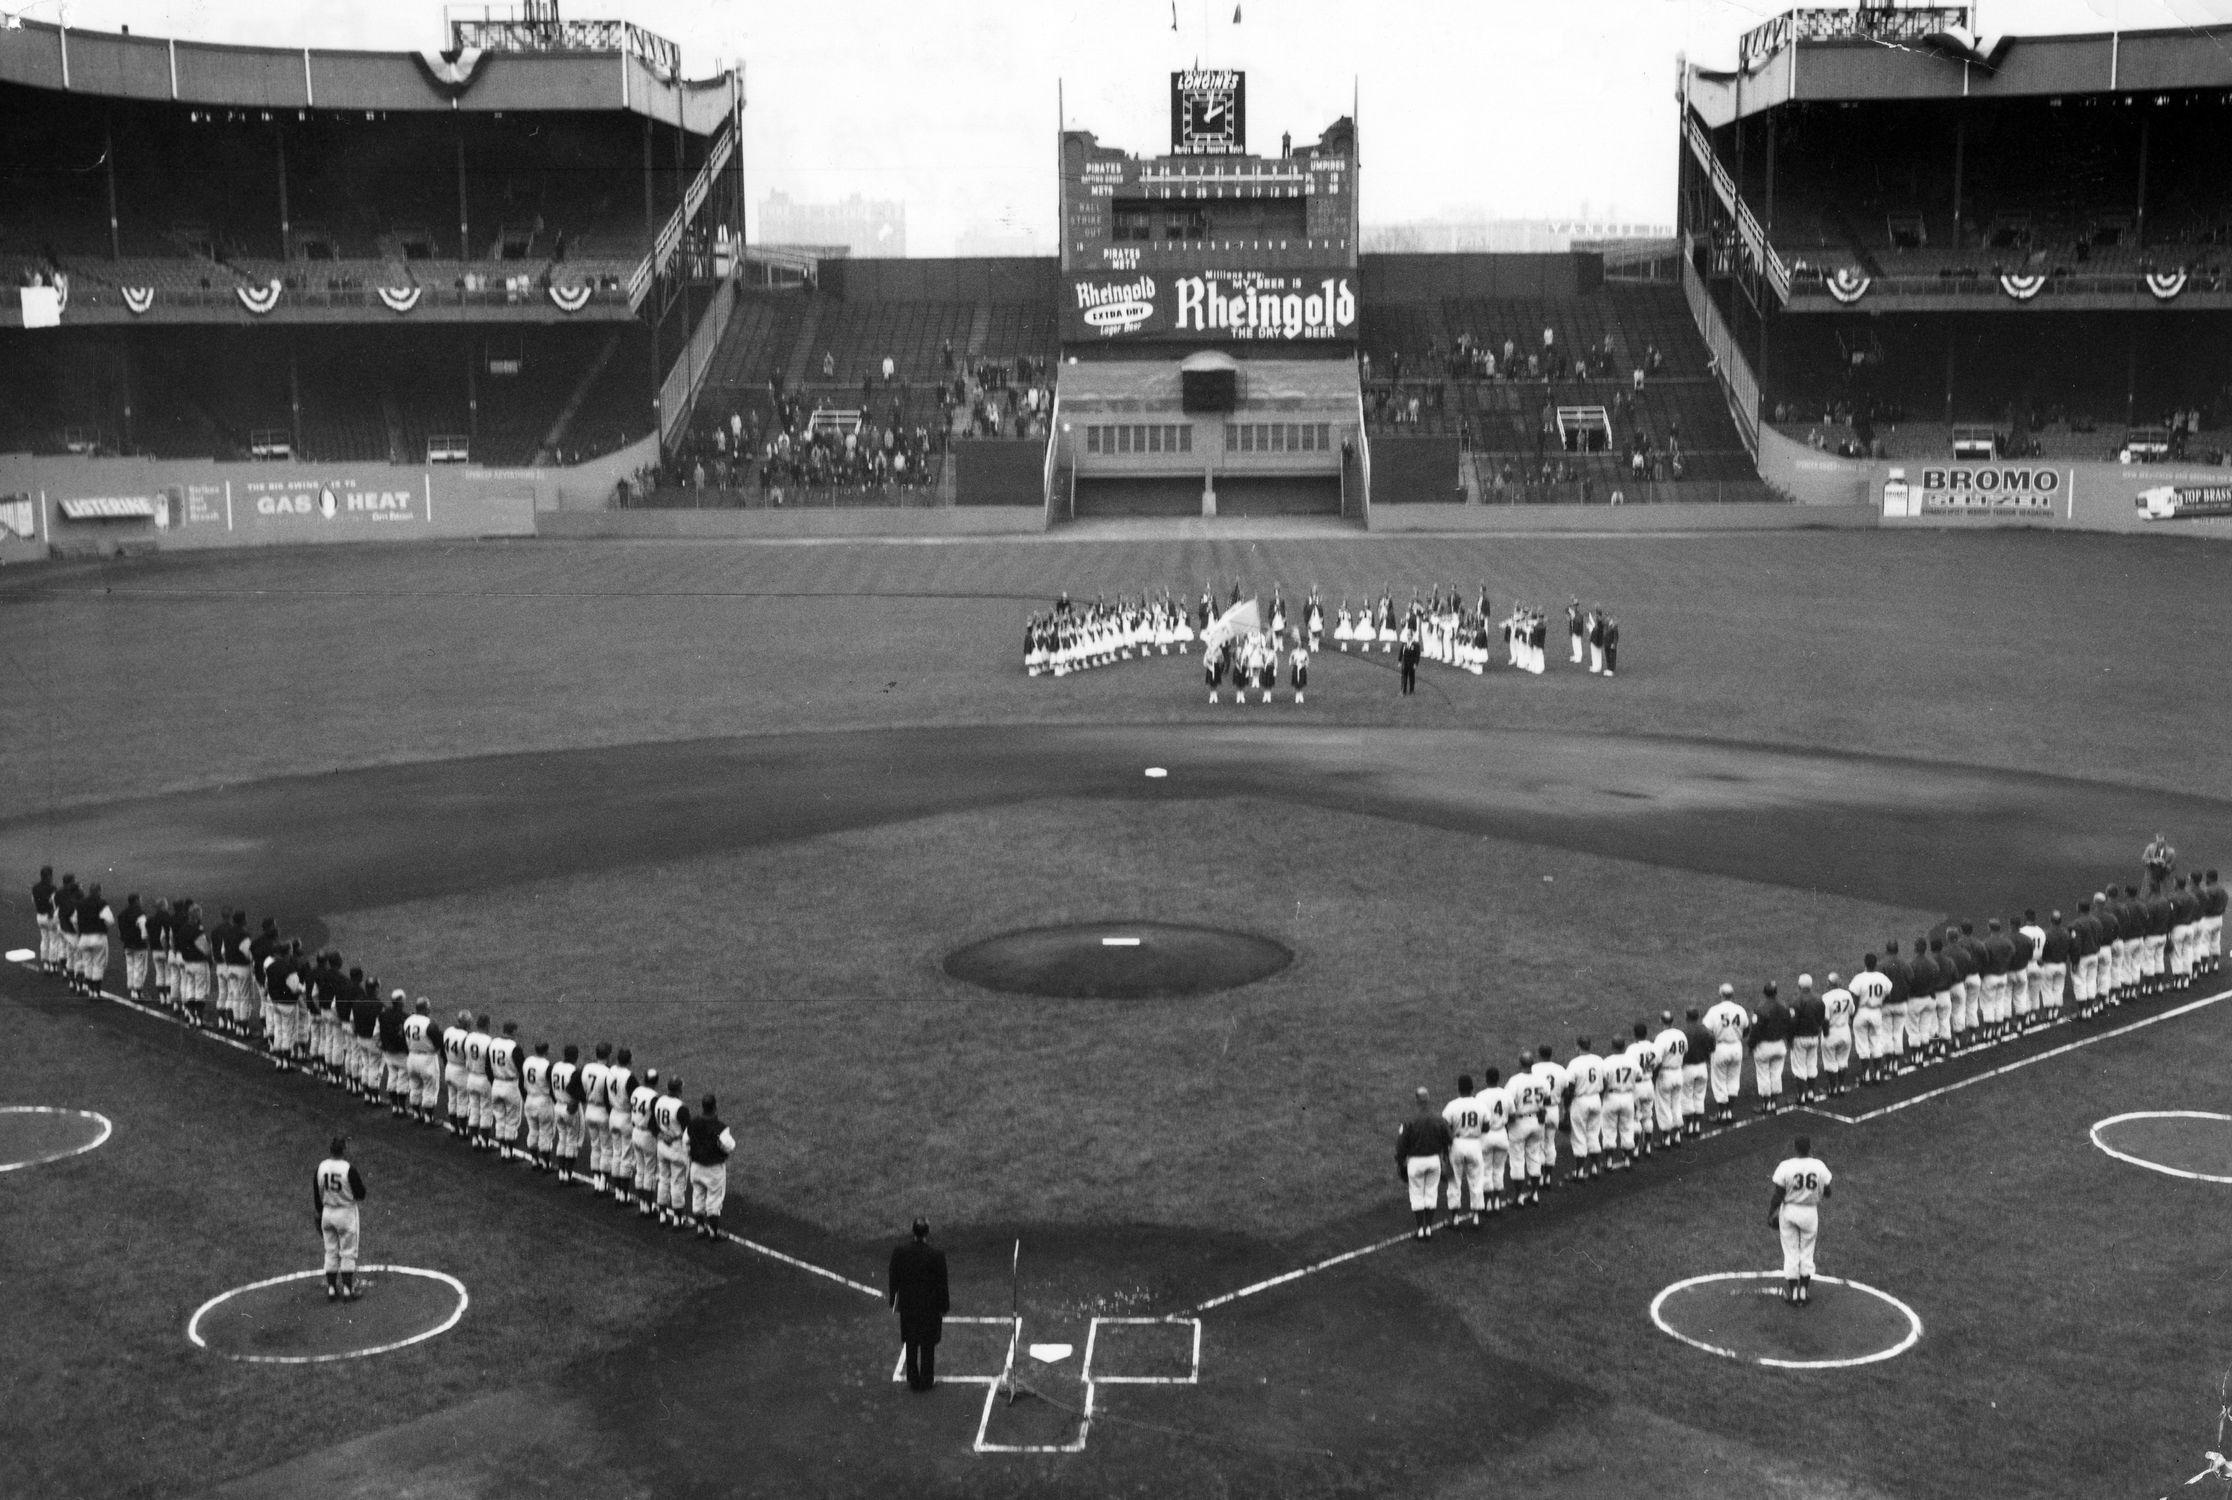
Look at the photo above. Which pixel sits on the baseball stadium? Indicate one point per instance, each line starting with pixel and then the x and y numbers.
pixel 963 715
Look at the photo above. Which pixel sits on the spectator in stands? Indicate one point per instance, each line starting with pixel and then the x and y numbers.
pixel 945 356
pixel 890 368
pixel 829 364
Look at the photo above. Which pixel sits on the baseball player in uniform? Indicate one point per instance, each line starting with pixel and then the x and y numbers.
pixel 1672 1046
pixel 1836 1036
pixel 1728 1021
pixel 422 1063
pixel 1967 957
pixel 365 1062
pixel 1697 1070
pixel 192 947
pixel 1554 1082
pixel 1646 1059
pixel 66 900
pixel 1801 1182
pixel 1525 1092
pixel 132 932
pixel 1420 1146
pixel 643 1141
pixel 1891 1041
pixel 335 1191
pixel 596 1117
pixel 2053 965
pixel 620 1086
pixel 2185 921
pixel 1620 1081
pixel 506 1109
pixel 1495 1137
pixel 50 925
pixel 2212 925
pixel 395 1055
pixel 1770 1038
pixel 1921 1009
pixel 454 1040
pixel 670 1117
pixel 1999 958
pixel 1298 664
pixel 541 1113
pixel 1585 1115
pixel 94 919
pixel 228 945
pixel 1868 989
pixel 1467 1159
pixel 1808 1023
pixel 2033 1002
pixel 282 1011
pixel 710 1147
pixel 479 1117
pixel 1942 1002
pixel 568 1096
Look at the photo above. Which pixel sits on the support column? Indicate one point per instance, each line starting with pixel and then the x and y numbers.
pixel 108 154
pixel 2131 372
pixel 286 223
pixel 464 212
pixel 650 206
pixel 472 397
pixel 2139 217
pixel 1950 337
pixel 294 398
pixel 1767 216
pixel 1960 164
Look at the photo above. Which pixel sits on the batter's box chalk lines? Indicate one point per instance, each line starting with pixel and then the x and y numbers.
pixel 2039 1057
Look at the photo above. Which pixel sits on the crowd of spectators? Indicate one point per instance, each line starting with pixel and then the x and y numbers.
pixel 885 441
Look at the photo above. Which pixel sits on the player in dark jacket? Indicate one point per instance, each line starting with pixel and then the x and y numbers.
pixel 917 1289
pixel 1421 1157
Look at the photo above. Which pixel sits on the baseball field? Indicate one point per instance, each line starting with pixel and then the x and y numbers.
pixel 736 805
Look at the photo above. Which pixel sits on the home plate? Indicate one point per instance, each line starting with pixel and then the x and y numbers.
pixel 25 955
pixel 1047 1354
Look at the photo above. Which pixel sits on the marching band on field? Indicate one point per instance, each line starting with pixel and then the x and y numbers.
pixel 1252 651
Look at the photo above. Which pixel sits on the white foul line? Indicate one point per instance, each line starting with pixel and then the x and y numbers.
pixel 2156 1166
pixel 1913 1336
pixel 2036 1057
pixel 47 1109
pixel 240 1046
pixel 1876 1114
pixel 1281 1280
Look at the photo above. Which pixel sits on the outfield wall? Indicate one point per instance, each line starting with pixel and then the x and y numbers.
pixel 2081 496
pixel 792 521
pixel 1674 516
pixel 200 504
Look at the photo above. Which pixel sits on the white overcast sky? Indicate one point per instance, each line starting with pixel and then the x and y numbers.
pixel 1469 108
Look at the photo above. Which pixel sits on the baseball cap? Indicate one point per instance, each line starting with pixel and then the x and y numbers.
pixel 1805 981
pixel 1728 992
pixel 397 995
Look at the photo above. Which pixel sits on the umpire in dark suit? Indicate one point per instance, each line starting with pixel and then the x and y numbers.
pixel 918 1291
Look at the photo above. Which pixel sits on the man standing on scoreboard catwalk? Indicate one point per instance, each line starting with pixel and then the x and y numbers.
pixel 1801 1182
pixel 917 1291
pixel 335 1191
pixel 1420 1146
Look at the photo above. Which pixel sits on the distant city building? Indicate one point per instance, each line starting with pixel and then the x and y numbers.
pixel 997 238
pixel 1505 236
pixel 861 225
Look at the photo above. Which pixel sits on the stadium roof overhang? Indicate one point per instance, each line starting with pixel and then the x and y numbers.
pixel 1942 61
pixel 106 65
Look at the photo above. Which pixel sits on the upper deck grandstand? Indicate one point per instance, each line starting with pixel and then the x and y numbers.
pixel 431 230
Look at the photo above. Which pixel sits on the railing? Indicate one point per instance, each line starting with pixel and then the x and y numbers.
pixel 1734 371
pixel 495 34
pixel 1747 226
pixel 326 288
pixel 1979 282
pixel 678 222
pixel 1870 23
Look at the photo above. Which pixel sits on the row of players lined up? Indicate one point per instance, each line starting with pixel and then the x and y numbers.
pixel 598 1123
pixel 1497 1145
pixel 1073 637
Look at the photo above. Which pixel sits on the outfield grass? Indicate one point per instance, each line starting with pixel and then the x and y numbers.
pixel 805 987
pixel 2068 654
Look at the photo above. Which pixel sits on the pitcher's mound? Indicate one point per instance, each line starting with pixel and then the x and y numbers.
pixel 288 1321
pixel 1741 1315
pixel 1118 961
pixel 32 1135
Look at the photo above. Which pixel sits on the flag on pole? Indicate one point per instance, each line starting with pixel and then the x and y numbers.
pixel 1173 15
pixel 1241 619
pixel 1236 15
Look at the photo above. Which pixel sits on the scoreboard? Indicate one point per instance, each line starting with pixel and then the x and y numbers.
pixel 1209 243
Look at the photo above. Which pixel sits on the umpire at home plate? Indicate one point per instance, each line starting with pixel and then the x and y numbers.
pixel 918 1291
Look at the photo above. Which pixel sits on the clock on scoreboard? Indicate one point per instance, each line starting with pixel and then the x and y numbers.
pixel 1208 112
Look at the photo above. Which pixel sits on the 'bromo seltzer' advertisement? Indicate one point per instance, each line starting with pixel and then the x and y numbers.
pixel 1272 306
pixel 1990 489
